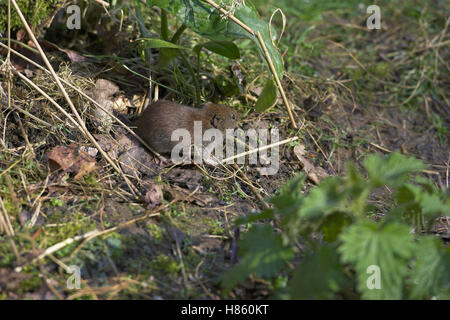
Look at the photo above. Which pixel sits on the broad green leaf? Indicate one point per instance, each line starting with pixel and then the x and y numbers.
pixel 430 269
pixel 319 276
pixel 225 48
pixel 324 199
pixel 158 43
pixel 168 52
pixel 268 96
pixel 166 55
pixel 290 197
pixel 333 225
pixel 263 254
pixel 205 20
pixel 391 170
pixel 367 244
pixel 250 18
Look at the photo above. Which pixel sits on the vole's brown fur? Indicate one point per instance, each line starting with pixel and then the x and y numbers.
pixel 159 120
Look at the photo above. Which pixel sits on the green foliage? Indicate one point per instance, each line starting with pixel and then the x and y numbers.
pixel 225 48
pixel 208 22
pixel 34 12
pixel 263 253
pixel 388 246
pixel 268 96
pixel 346 251
pixel 319 276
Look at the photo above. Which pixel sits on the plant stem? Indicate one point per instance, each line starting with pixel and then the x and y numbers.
pixel 194 77
pixel 178 33
pixel 164 25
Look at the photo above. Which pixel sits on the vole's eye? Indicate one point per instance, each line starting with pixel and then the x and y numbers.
pixel 233 116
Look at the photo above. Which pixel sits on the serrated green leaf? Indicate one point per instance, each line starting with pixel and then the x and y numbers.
pixel 417 202
pixel 430 270
pixel 391 170
pixel 268 96
pixel 323 199
pixel 319 276
pixel 226 49
pixel 263 254
pixel 290 197
pixel 387 247
pixel 333 225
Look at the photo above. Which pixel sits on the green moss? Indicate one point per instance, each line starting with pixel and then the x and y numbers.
pixel 72 224
pixel 56 202
pixel 34 11
pixel 7 256
pixel 156 232
pixel 214 226
pixel 31 284
pixel 381 70
pixel 166 264
pixel 191 260
pixel 91 180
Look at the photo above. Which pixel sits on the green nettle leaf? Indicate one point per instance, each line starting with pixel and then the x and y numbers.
pixel 358 189
pixel 430 276
pixel 391 170
pixel 328 197
pixel 263 254
pixel 289 200
pixel 319 276
pixel 418 201
pixel 333 225
pixel 268 96
pixel 380 255
pixel 225 48
pixel 205 20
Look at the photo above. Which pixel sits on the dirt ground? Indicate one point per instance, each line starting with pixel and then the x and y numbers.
pixel 171 234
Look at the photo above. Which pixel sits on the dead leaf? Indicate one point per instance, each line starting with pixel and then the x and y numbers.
pixel 315 174
pixel 184 177
pixel 136 160
pixel 71 159
pixel 154 194
pixel 200 199
pixel 73 55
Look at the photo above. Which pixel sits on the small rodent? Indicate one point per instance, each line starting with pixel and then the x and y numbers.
pixel 160 119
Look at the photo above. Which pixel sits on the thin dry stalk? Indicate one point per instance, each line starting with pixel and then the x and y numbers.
pixel 109 113
pixel 81 125
pixel 266 54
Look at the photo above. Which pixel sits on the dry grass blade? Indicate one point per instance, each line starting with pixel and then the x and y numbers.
pixel 81 125
pixel 85 96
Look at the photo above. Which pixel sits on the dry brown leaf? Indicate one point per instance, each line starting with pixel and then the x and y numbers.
pixel 73 55
pixel 154 194
pixel 315 174
pixel 71 159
